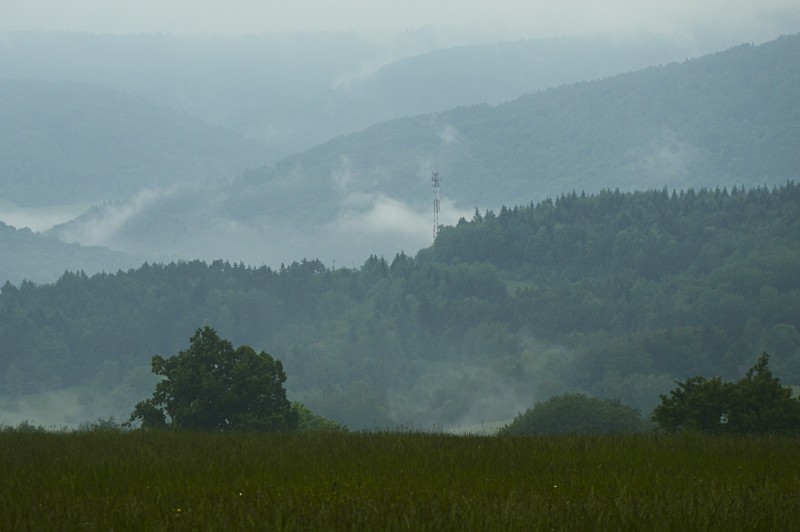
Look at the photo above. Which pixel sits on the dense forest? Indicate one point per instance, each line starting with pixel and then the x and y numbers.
pixel 612 294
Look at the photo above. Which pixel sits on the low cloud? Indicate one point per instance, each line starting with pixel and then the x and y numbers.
pixel 449 134
pixel 342 175
pixel 665 161
pixel 379 214
pixel 479 398
pixel 39 218
pixel 100 225
pixel 347 81
pixel 459 398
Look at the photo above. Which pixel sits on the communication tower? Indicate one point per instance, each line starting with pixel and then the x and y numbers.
pixel 435 181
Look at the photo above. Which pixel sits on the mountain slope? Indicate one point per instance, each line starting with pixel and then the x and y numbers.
pixel 732 118
pixel 38 258
pixel 71 142
pixel 294 91
pixel 498 72
pixel 728 118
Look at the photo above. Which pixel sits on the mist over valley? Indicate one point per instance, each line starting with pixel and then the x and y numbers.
pixel 617 212
pixel 368 192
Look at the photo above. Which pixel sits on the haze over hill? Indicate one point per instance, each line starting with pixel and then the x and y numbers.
pixel 290 92
pixel 25 255
pixel 497 17
pixel 615 295
pixel 725 118
pixel 66 143
pixel 721 120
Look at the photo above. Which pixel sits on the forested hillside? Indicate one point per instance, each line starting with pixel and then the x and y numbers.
pixel 67 143
pixel 498 72
pixel 28 255
pixel 615 294
pixel 729 119
pixel 726 119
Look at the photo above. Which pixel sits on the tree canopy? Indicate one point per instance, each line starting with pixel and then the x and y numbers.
pixel 756 404
pixel 615 295
pixel 212 386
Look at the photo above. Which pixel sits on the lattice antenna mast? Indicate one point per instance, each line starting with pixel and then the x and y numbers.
pixel 435 181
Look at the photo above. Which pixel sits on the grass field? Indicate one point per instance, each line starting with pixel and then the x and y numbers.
pixel 385 481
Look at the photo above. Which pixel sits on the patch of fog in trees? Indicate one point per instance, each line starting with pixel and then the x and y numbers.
pixel 474 398
pixel 111 394
pixel 39 218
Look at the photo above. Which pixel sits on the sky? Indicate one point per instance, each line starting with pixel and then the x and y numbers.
pixel 517 18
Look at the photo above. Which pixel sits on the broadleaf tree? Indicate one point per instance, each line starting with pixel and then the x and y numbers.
pixel 214 386
pixel 756 404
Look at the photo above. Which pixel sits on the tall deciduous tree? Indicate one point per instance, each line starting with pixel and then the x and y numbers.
pixel 212 386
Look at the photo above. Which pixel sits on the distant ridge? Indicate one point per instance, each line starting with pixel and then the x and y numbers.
pixel 25 255
pixel 293 91
pixel 723 119
pixel 731 118
pixel 67 142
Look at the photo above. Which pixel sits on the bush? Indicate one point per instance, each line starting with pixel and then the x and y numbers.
pixel 103 425
pixel 577 414
pixel 308 421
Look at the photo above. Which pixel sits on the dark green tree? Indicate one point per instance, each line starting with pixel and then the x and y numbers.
pixel 212 386
pixel 575 413
pixel 308 421
pixel 756 404
pixel 696 404
pixel 762 405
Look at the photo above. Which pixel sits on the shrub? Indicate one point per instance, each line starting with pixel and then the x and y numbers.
pixel 577 414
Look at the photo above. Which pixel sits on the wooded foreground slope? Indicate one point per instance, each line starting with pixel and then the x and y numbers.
pixel 615 294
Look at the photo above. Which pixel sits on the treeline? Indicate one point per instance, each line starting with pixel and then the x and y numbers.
pixel 615 295
pixel 650 282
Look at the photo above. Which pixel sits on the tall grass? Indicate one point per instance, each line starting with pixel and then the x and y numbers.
pixel 382 481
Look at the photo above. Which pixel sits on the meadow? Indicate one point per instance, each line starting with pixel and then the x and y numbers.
pixel 139 480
